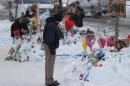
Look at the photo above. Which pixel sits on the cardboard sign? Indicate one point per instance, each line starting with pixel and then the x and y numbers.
pixel 122 43
pixel 128 39
pixel 117 5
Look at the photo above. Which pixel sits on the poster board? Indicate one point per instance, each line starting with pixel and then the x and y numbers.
pixel 122 7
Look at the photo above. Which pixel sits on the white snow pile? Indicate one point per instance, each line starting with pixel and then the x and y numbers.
pixel 1 7
pixel 115 70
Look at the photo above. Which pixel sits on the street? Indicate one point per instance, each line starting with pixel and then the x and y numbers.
pixel 101 23
pixel 124 22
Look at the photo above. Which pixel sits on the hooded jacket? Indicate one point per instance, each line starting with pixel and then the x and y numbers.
pixel 52 34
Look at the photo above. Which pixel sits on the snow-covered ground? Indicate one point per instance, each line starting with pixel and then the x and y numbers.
pixel 32 73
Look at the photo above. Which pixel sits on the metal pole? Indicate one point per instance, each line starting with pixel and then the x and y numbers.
pixel 117 20
pixel 16 11
pixel 117 26
pixel 117 10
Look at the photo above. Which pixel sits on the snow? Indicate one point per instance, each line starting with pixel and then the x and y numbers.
pixel 1 7
pixel 67 68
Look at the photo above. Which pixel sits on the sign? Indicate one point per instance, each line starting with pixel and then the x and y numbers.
pixel 117 6
pixel 122 43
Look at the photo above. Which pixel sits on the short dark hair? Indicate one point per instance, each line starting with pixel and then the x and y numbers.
pixel 58 17
pixel 77 2
pixel 25 19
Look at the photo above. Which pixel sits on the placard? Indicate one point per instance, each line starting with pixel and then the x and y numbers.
pixel 117 5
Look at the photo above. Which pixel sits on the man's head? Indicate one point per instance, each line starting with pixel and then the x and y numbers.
pixel 25 19
pixel 58 17
pixel 77 3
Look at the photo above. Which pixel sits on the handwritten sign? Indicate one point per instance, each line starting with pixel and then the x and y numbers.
pixel 117 5
pixel 122 43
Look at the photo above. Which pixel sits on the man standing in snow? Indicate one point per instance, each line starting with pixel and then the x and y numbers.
pixel 51 36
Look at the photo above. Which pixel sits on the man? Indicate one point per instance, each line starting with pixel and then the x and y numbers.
pixel 79 15
pixel 56 10
pixel 51 35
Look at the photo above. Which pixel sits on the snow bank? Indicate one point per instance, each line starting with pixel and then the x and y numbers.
pixel 67 68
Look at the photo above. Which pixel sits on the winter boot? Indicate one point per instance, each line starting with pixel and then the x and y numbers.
pixel 55 83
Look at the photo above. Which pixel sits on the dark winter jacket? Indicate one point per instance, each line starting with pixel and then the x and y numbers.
pixel 15 27
pixel 19 25
pixel 78 17
pixel 52 34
